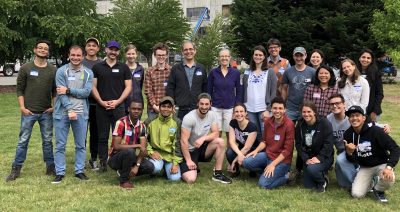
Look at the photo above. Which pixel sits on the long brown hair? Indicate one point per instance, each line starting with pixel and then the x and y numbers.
pixel 343 76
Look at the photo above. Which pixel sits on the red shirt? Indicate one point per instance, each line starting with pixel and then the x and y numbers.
pixel 279 139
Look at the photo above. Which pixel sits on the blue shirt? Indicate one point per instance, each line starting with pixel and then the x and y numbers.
pixel 189 73
pixel 225 90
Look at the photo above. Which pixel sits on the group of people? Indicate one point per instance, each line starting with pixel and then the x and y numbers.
pixel 265 112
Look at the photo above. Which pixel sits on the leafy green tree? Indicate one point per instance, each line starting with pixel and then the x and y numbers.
pixel 337 27
pixel 386 28
pixel 147 22
pixel 218 34
pixel 7 35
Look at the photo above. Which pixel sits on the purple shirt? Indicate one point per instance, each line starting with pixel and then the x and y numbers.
pixel 225 90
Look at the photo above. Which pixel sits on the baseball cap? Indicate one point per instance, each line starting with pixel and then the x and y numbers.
pixel 167 99
pixel 354 109
pixel 113 43
pixel 93 39
pixel 299 49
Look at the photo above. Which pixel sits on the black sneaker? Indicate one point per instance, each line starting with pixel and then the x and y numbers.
pixel 102 167
pixel 15 172
pixel 58 179
pixel 51 170
pixel 221 178
pixel 94 165
pixel 322 187
pixel 82 176
pixel 380 196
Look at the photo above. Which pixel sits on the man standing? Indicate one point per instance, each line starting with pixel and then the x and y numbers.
pixel 74 83
pixel 276 62
pixel 187 80
pixel 164 133
pixel 199 145
pixel 35 85
pixel 376 153
pixel 92 47
pixel 111 85
pixel 273 156
pixel 295 81
pixel 156 79
pixel 129 135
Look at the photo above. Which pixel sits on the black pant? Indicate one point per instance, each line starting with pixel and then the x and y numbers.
pixel 105 119
pixel 94 138
pixel 123 162
pixel 182 113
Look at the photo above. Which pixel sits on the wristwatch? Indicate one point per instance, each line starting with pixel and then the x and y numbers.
pixel 138 164
pixel 389 167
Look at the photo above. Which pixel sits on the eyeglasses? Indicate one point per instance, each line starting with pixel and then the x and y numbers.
pixel 335 104
pixel 161 55
pixel 273 47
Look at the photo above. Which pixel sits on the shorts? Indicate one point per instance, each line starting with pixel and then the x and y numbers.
pixel 197 155
pixel 224 116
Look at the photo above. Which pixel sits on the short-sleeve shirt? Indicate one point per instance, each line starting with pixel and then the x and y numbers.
pixel 298 82
pixel 241 135
pixel 197 126
pixel 111 80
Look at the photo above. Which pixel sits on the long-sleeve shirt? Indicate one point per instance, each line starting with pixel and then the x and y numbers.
pixel 320 97
pixel 225 90
pixel 356 94
pixel 155 84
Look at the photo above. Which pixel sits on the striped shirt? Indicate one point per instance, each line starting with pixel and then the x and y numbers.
pixel 320 97
pixel 155 82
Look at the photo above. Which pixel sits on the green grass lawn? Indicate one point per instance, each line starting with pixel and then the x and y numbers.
pixel 34 191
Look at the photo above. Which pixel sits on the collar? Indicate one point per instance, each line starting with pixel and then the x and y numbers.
pixel 131 123
pixel 157 67
pixel 73 69
pixel 269 59
pixel 185 65
pixel 164 119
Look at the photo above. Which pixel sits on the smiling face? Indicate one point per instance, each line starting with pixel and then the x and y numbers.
pixel 131 55
pixel 324 76
pixel 357 120
pixel 112 53
pixel 337 105
pixel 348 68
pixel 316 59
pixel 91 48
pixel 188 51
pixel 166 109
pixel 278 110
pixel 76 56
pixel 224 58
pixel 161 56
pixel 239 113
pixel 41 50
pixel 258 57
pixel 308 115
pixel 365 60
pixel 204 105
pixel 274 50
pixel 299 58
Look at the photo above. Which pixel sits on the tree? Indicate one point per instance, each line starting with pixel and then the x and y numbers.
pixel 147 22
pixel 336 27
pixel 7 35
pixel 218 34
pixel 386 28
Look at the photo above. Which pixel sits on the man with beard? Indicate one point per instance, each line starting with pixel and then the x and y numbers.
pixel 71 109
pixel 199 145
pixel 35 85
pixel 111 86
pixel 92 47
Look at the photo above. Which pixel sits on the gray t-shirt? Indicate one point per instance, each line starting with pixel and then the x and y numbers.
pixel 298 82
pixel 90 63
pixel 75 80
pixel 338 126
pixel 197 126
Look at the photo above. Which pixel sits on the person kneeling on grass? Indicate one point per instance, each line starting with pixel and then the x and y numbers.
pixel 164 132
pixel 122 155
pixel 376 153
pixel 242 138
pixel 198 144
pixel 274 154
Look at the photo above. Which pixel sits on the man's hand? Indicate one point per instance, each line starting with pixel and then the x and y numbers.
pixel 313 160
pixel 252 154
pixel 61 90
pixel 191 165
pixel 49 110
pixel 350 148
pixel 387 128
pixel 112 104
pixel 387 175
pixel 26 112
pixel 240 159
pixel 156 156
pixel 134 171
pixel 156 108
pixel 199 142
pixel 269 171
pixel 72 115
pixel 174 169
pixel 265 115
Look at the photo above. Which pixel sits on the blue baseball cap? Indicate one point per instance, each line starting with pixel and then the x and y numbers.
pixel 113 43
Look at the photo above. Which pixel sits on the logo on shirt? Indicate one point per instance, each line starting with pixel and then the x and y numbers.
pixel 364 149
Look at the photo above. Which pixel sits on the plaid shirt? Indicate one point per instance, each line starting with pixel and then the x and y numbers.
pixel 320 97
pixel 131 133
pixel 155 84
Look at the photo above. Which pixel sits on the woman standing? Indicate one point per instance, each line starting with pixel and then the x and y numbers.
pixel 314 144
pixel 369 70
pixel 316 58
pixel 319 92
pixel 137 72
pixel 259 88
pixel 225 90
pixel 352 86
pixel 242 138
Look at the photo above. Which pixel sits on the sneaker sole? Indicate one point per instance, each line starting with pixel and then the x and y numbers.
pixel 221 181
pixel 55 182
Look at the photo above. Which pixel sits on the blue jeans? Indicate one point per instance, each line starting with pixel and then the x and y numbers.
pixel 258 164
pixel 79 128
pixel 258 121
pixel 314 173
pixel 345 171
pixel 151 114
pixel 46 129
pixel 162 164
pixel 293 115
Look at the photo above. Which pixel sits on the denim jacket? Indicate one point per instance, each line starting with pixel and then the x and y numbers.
pixel 62 101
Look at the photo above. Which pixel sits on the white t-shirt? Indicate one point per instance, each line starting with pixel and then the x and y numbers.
pixel 357 94
pixel 256 88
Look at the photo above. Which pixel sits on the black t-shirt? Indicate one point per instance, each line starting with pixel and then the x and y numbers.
pixel 308 133
pixel 111 80
pixel 241 135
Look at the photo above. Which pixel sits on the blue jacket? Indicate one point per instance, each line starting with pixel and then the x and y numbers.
pixel 62 102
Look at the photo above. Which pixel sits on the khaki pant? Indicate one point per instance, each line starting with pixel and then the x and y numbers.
pixel 362 182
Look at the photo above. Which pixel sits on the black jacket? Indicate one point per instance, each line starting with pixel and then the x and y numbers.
pixel 322 141
pixel 374 78
pixel 178 86
pixel 374 146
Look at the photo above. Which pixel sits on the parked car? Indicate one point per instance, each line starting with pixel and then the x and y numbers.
pixel 8 69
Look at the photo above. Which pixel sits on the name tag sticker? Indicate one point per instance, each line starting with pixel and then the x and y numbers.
pixel 357 88
pixel 71 78
pixel 136 75
pixel 165 84
pixel 128 133
pixel 307 80
pixel 277 137
pixel 317 95
pixel 34 73
pixel 115 70
pixel 281 70
pixel 199 73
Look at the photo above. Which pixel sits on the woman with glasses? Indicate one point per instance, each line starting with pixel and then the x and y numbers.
pixel 319 92
pixel 225 90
